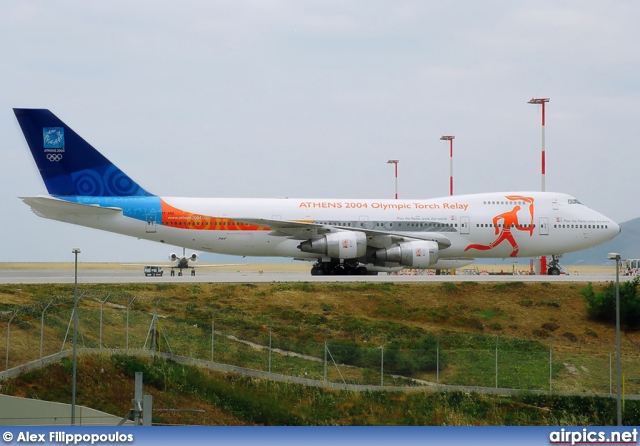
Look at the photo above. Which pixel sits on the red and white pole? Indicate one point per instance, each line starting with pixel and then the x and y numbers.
pixel 396 173
pixel 542 101
pixel 450 138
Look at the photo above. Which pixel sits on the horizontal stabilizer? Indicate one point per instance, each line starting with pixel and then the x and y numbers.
pixel 50 207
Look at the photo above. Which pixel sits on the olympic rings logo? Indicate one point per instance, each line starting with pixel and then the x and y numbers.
pixel 53 157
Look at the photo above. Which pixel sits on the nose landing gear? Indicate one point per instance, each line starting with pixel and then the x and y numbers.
pixel 554 266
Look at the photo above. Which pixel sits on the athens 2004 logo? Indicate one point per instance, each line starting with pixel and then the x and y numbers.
pixel 53 137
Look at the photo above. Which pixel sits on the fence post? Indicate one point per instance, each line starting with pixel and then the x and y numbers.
pixel 551 366
pixel 270 328
pixel 438 360
pixel 101 305
pixel 156 326
pixel 382 363
pixel 6 367
pixel 73 319
pixel 213 317
pixel 42 327
pixel 497 338
pixel 325 359
pixel 155 339
pixel 129 306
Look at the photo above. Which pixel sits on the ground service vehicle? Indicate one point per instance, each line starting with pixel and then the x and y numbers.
pixel 153 271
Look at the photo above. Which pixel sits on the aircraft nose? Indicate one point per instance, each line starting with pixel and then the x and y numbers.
pixel 612 229
pixel 616 229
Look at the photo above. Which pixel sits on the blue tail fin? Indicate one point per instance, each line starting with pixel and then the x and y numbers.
pixel 68 164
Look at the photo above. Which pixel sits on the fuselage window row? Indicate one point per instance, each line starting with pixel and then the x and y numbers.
pixel 527 226
pixel 390 224
pixel 502 225
pixel 581 226
pixel 521 203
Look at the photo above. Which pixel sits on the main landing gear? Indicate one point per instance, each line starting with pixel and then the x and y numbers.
pixel 173 273
pixel 554 266
pixel 335 268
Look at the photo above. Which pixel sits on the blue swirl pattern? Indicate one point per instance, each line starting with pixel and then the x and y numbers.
pixel 105 182
pixel 88 182
pixel 119 184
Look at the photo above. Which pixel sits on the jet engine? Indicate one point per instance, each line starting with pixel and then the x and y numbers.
pixel 337 245
pixel 173 257
pixel 416 254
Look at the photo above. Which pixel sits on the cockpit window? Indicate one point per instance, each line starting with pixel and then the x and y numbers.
pixel 574 201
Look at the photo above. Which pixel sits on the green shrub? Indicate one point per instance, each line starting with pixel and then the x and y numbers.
pixel 602 306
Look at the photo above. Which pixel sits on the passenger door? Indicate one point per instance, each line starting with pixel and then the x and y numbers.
pixel 465 225
pixel 543 228
pixel 151 223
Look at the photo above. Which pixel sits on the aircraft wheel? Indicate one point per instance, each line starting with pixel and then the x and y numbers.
pixel 554 271
pixel 362 271
pixel 316 271
pixel 330 271
pixel 179 273
pixel 349 270
pixel 173 273
pixel 193 272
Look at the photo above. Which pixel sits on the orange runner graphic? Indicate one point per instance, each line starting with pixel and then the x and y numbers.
pixel 503 231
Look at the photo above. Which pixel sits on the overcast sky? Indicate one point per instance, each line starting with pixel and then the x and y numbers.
pixel 311 98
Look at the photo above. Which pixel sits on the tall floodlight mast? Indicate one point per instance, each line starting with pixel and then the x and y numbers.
pixel 542 101
pixel 395 162
pixel 450 138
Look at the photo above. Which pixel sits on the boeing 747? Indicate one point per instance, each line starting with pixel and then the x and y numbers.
pixel 342 236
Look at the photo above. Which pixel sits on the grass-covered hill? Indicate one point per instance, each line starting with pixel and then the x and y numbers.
pixel 463 318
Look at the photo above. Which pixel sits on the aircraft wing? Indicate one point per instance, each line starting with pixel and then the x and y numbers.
pixel 49 207
pixel 302 230
pixel 299 230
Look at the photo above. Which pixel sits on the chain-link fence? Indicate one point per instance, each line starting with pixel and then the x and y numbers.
pixel 126 322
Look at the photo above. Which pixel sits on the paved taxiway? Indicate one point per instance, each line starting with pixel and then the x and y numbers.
pixel 27 276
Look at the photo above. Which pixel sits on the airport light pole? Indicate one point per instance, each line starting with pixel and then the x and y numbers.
pixel 450 138
pixel 542 101
pixel 395 162
pixel 75 251
pixel 615 256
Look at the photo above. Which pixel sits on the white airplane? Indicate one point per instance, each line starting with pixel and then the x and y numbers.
pixel 342 236
pixel 180 262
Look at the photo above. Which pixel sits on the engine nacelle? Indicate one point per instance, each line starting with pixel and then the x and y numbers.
pixel 173 257
pixel 417 254
pixel 337 245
